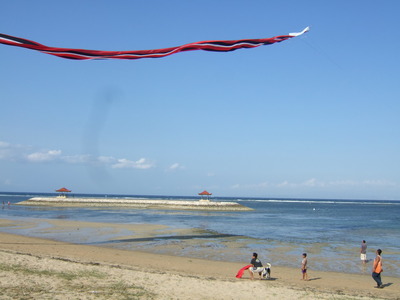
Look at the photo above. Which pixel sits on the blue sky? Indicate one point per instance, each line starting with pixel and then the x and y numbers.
pixel 315 116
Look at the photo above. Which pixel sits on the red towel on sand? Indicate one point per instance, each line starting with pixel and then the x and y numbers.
pixel 241 271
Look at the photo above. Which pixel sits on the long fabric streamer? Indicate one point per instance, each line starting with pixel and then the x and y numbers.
pixel 81 54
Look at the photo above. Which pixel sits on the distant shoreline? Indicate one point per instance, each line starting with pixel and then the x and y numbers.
pixel 137 203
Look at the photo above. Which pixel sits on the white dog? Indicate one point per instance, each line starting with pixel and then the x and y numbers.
pixel 266 273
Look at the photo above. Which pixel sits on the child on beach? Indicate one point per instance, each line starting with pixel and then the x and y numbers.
pixel 304 267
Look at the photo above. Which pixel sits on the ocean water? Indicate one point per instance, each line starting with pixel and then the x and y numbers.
pixel 331 231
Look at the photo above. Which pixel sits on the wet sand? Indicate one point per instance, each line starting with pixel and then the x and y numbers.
pixel 195 242
pixel 49 269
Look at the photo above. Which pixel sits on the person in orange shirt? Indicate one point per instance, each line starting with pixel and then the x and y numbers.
pixel 377 269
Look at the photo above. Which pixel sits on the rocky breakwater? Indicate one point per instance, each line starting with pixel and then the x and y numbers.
pixel 137 203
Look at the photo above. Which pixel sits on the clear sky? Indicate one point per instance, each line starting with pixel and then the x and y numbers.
pixel 315 116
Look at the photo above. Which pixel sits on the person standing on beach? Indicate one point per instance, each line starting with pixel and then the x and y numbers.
pixel 363 252
pixel 304 267
pixel 377 269
pixel 256 266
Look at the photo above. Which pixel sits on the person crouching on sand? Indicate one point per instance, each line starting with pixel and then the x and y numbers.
pixel 377 269
pixel 256 266
pixel 304 267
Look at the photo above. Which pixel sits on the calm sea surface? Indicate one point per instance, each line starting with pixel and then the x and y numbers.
pixel 332 230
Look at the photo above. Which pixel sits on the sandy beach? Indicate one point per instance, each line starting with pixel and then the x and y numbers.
pixel 36 268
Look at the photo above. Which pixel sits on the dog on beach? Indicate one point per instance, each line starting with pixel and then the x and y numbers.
pixel 266 273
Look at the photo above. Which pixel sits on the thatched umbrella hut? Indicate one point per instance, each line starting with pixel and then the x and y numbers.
pixel 63 192
pixel 205 196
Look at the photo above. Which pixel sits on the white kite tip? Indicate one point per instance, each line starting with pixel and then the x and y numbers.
pixel 300 33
